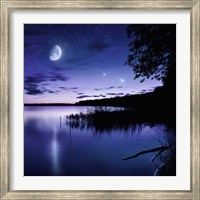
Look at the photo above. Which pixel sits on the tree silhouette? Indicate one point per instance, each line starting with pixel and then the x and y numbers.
pixel 152 52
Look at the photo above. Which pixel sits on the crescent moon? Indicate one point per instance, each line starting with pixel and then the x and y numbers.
pixel 55 53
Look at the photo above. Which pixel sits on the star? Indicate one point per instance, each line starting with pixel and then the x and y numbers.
pixel 121 80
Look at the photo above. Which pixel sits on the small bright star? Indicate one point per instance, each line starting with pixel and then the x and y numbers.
pixel 121 80
pixel 104 74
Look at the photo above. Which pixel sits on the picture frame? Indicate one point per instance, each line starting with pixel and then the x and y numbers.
pixel 7 7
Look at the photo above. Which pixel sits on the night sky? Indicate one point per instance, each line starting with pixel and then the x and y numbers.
pixel 67 63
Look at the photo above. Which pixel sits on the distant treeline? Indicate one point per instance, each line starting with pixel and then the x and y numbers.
pixel 161 100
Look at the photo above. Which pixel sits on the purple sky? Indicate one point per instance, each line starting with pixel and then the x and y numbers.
pixel 91 65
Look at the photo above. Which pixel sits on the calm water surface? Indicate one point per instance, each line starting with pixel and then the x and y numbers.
pixel 52 148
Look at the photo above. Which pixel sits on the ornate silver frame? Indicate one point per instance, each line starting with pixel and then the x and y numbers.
pixel 6 8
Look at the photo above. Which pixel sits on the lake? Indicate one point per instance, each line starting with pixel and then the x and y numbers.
pixel 54 148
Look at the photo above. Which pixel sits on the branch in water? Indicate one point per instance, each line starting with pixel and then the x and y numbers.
pixel 163 148
pixel 152 160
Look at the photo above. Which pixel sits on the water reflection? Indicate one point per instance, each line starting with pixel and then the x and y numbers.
pixel 54 147
pixel 55 152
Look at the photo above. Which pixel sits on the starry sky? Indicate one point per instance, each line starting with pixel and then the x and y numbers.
pixel 67 63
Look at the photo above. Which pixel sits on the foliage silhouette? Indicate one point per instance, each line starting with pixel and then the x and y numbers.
pixel 148 104
pixel 152 52
pixel 165 159
pixel 102 119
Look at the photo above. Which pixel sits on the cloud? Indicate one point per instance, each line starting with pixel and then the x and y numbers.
pixel 115 94
pixel 146 91
pixel 100 95
pixel 90 96
pixel 77 62
pixel 72 88
pixel 34 89
pixel 45 84
pixel 98 46
pixel 34 79
pixel 30 37
pixel 68 88
pixel 63 88
pixel 108 88
pixel 39 78
pixel 57 77
pixel 83 96
pixel 58 69
pixel 28 45
pixel 111 87
pixel 33 32
pixel 38 84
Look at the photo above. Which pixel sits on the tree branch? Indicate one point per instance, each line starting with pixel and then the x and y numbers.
pixel 163 148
